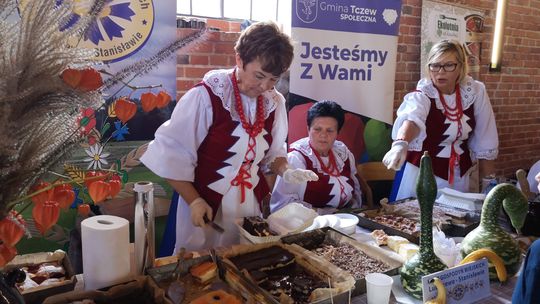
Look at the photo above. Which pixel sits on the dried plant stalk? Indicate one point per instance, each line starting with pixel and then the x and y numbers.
pixel 38 112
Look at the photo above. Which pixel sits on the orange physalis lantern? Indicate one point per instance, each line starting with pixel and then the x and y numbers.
pixel 90 81
pixel 162 99
pixel 11 229
pixel 94 176
pixel 72 77
pixel 43 196
pixel 45 215
pixel 125 109
pixel 148 101
pixel 115 187
pixel 64 195
pixel 83 209
pixel 99 191
pixel 7 254
pixel 85 80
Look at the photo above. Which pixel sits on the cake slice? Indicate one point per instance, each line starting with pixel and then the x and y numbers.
pixel 381 238
pixel 265 259
pixel 204 272
pixel 395 241
pixel 257 226
pixel 408 250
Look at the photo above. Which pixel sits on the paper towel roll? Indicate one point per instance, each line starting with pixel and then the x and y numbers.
pixel 105 250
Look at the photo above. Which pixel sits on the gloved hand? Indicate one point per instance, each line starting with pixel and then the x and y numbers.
pixel 537 177
pixel 199 208
pixel 397 155
pixel 298 176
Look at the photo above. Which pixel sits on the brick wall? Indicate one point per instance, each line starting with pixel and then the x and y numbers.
pixel 514 92
pixel 217 51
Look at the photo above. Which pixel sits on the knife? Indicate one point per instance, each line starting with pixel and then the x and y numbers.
pixel 215 226
pixel 216 259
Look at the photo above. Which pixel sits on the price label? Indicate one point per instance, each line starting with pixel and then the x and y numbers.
pixel 464 284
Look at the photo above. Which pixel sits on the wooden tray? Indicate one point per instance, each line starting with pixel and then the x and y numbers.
pixel 451 229
pixel 313 238
pixel 342 282
pixel 39 293
pixel 141 289
pixel 250 294
pixel 372 225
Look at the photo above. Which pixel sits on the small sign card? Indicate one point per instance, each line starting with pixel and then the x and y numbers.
pixel 464 284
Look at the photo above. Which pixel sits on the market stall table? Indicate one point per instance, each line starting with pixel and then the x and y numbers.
pixel 500 293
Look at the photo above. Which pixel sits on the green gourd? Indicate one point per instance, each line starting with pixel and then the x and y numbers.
pixel 425 261
pixel 490 235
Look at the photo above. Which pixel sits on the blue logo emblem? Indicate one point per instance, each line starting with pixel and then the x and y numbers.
pixel 306 10
pixel 120 30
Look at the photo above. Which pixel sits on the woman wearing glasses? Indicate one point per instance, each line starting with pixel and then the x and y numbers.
pixel 450 116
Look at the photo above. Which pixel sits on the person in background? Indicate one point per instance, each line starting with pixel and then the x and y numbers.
pixel 450 116
pixel 320 152
pixel 526 290
pixel 224 135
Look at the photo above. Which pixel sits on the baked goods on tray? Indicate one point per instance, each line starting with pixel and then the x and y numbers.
pixel 42 275
pixel 398 222
pixel 275 270
pixel 380 237
pixel 348 258
pixel 204 272
pixel 257 226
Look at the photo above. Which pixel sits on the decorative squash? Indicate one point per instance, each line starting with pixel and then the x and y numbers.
pixel 493 259
pixel 425 261
pixel 490 235
pixel 441 292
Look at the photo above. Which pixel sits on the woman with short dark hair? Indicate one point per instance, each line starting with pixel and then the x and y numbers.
pixel 337 185
pixel 224 135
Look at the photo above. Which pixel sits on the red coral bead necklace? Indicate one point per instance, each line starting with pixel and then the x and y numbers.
pixel 252 129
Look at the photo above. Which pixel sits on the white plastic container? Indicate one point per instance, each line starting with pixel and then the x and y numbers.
pixel 292 218
pixel 347 223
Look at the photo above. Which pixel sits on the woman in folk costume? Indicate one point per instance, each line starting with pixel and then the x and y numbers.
pixel 224 135
pixel 448 115
pixel 320 152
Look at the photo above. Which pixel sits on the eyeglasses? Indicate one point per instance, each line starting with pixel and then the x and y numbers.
pixel 448 67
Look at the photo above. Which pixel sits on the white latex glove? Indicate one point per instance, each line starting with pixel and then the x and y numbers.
pixel 199 208
pixel 397 155
pixel 537 177
pixel 298 176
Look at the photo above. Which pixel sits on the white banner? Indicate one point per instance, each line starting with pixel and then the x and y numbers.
pixel 345 51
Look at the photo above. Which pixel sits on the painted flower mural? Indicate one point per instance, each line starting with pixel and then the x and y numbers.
pixel 107 22
pixel 97 157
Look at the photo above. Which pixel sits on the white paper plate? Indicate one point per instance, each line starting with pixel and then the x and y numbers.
pixel 347 223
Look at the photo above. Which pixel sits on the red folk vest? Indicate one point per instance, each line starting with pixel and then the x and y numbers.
pixel 214 151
